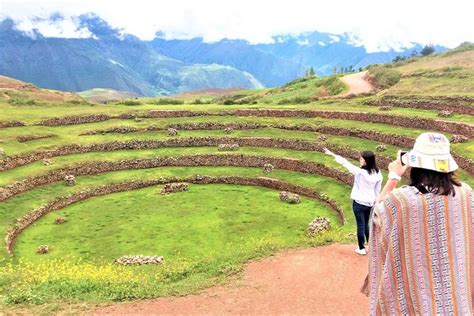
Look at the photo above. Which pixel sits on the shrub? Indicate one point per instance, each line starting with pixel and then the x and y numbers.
pixel 166 101
pixel 21 101
pixel 464 47
pixel 295 100
pixel 427 50
pixel 76 102
pixel 228 102
pixel 385 77
pixel 201 101
pixel 130 102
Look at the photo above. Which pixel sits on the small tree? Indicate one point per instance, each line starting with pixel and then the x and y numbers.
pixel 334 70
pixel 341 71
pixel 351 68
pixel 312 73
pixel 427 50
pixel 360 69
pixel 399 58
pixel 414 53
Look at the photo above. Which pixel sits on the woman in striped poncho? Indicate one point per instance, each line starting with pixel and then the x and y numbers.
pixel 422 237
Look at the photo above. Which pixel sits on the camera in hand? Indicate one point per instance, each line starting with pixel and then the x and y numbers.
pixel 402 153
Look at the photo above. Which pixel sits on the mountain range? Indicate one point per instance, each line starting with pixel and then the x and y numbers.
pixel 112 59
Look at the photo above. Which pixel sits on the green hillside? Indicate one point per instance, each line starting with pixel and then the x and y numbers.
pixel 449 73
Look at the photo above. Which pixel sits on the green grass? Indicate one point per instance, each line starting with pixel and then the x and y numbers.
pixel 143 221
pixel 204 238
pixel 193 225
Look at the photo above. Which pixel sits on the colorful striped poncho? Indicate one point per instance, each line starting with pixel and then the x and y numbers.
pixel 422 254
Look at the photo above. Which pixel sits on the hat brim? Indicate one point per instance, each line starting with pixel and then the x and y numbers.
pixel 439 163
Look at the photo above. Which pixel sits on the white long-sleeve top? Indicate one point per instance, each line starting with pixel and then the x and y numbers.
pixel 366 186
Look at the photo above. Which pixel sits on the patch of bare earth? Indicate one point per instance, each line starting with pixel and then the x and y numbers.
pixel 322 280
pixel 11 87
pixel 357 83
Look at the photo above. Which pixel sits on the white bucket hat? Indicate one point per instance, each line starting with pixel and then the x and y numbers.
pixel 431 151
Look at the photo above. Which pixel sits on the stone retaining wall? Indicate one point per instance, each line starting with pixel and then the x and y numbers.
pixel 5 124
pixel 294 144
pixel 75 119
pixel 396 120
pixel 461 105
pixel 27 138
pixel 231 160
pixel 61 202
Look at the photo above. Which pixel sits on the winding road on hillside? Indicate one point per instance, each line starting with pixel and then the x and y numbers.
pixel 357 83
pixel 321 280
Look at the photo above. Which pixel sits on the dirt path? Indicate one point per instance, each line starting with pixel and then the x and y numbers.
pixel 357 84
pixel 323 280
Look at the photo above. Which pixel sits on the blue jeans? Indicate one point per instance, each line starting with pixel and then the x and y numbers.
pixel 362 215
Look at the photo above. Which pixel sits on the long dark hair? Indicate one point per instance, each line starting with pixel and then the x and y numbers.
pixel 429 181
pixel 370 164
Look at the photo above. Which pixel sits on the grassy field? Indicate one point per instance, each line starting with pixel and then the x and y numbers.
pixel 450 73
pixel 204 238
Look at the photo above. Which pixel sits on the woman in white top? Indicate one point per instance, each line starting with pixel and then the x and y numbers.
pixel 366 188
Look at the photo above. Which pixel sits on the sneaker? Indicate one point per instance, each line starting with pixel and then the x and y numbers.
pixel 361 252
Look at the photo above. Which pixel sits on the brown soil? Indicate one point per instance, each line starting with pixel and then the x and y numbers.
pixel 323 280
pixel 11 87
pixel 357 83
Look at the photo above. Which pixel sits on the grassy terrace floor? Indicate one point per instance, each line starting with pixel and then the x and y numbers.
pixel 203 237
pixel 32 114
pixel 70 134
pixel 21 204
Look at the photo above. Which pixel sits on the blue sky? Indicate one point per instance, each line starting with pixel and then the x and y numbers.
pixel 378 25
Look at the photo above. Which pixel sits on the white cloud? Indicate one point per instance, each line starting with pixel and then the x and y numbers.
pixel 67 27
pixel 377 24
pixel 334 38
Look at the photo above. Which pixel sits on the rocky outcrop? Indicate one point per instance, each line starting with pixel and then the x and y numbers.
pixel 290 198
pixel 268 167
pixel 381 148
pixel 43 249
pixel 174 187
pixel 445 113
pixel 459 139
pixel 59 220
pixel 228 147
pixel 318 225
pixel 69 180
pixel 172 132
